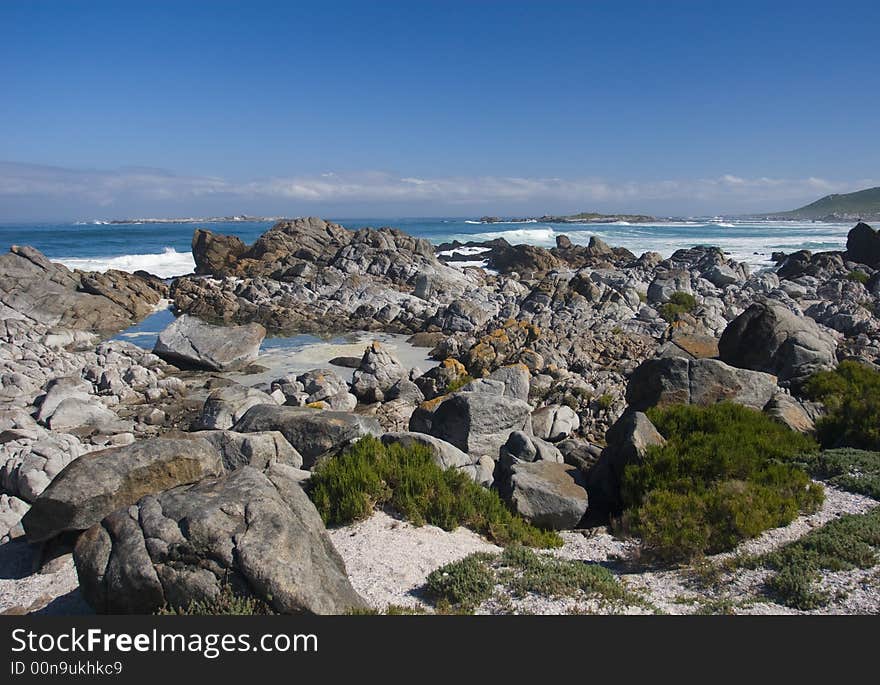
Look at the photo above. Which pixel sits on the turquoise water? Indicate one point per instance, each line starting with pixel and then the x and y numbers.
pixel 164 249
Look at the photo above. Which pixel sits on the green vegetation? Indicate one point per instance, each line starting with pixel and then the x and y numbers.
pixel 227 602
pixel 605 401
pixel 719 479
pixel 350 486
pixel 679 303
pixel 467 583
pixel 858 276
pixel 390 610
pixel 851 394
pixel 865 203
pixel 459 383
pixel 850 542
pixel 849 469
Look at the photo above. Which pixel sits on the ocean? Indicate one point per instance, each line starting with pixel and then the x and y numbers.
pixel 164 249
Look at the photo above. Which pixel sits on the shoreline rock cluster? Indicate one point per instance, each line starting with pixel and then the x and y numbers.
pixel 168 480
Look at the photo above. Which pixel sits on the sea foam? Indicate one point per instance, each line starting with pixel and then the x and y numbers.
pixel 166 264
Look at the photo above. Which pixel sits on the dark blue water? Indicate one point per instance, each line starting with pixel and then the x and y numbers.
pixel 164 249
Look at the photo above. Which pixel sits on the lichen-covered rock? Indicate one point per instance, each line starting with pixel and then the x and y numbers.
pixel 97 483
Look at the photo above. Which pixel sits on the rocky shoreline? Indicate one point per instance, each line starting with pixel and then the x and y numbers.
pixel 161 478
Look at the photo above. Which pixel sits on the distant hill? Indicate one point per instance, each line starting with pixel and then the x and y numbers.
pixel 862 204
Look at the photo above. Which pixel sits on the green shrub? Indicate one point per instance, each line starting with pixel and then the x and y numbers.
pixel 850 469
pixel 848 542
pixel 679 303
pixel 227 602
pixel 528 572
pixel 719 479
pixel 350 486
pixel 605 401
pixel 795 586
pixel 467 583
pixel 851 394
pixel 459 383
pixel 858 276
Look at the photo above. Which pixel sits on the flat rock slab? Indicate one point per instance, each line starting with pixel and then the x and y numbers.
pixel 192 343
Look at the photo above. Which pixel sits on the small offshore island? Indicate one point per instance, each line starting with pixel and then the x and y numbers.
pixel 597 431
pixel 580 218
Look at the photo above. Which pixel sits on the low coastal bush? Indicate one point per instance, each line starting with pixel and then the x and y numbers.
pixel 350 486
pixel 851 395
pixel 849 469
pixel 458 383
pixel 465 584
pixel 679 303
pixel 846 543
pixel 858 276
pixel 720 478
pixel 225 603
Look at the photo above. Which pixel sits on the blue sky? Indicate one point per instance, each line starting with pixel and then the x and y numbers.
pixel 433 108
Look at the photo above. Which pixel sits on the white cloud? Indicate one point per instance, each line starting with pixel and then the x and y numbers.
pixel 119 190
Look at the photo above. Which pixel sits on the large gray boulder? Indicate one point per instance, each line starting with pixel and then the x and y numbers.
pixel 627 443
pixel 228 404
pixel 97 483
pixel 314 433
pixel 788 411
pixel 521 446
pixel 546 493
pixel 476 422
pixel 75 415
pixel 768 337
pixel 445 455
pixel 677 380
pixel 191 343
pixel 251 449
pixel 60 389
pixel 377 373
pixel 863 245
pixel 324 386
pixel 253 530
pixel 516 379
pixel 666 284
pixel 555 422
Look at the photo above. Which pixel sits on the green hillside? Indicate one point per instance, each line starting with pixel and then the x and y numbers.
pixel 863 204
